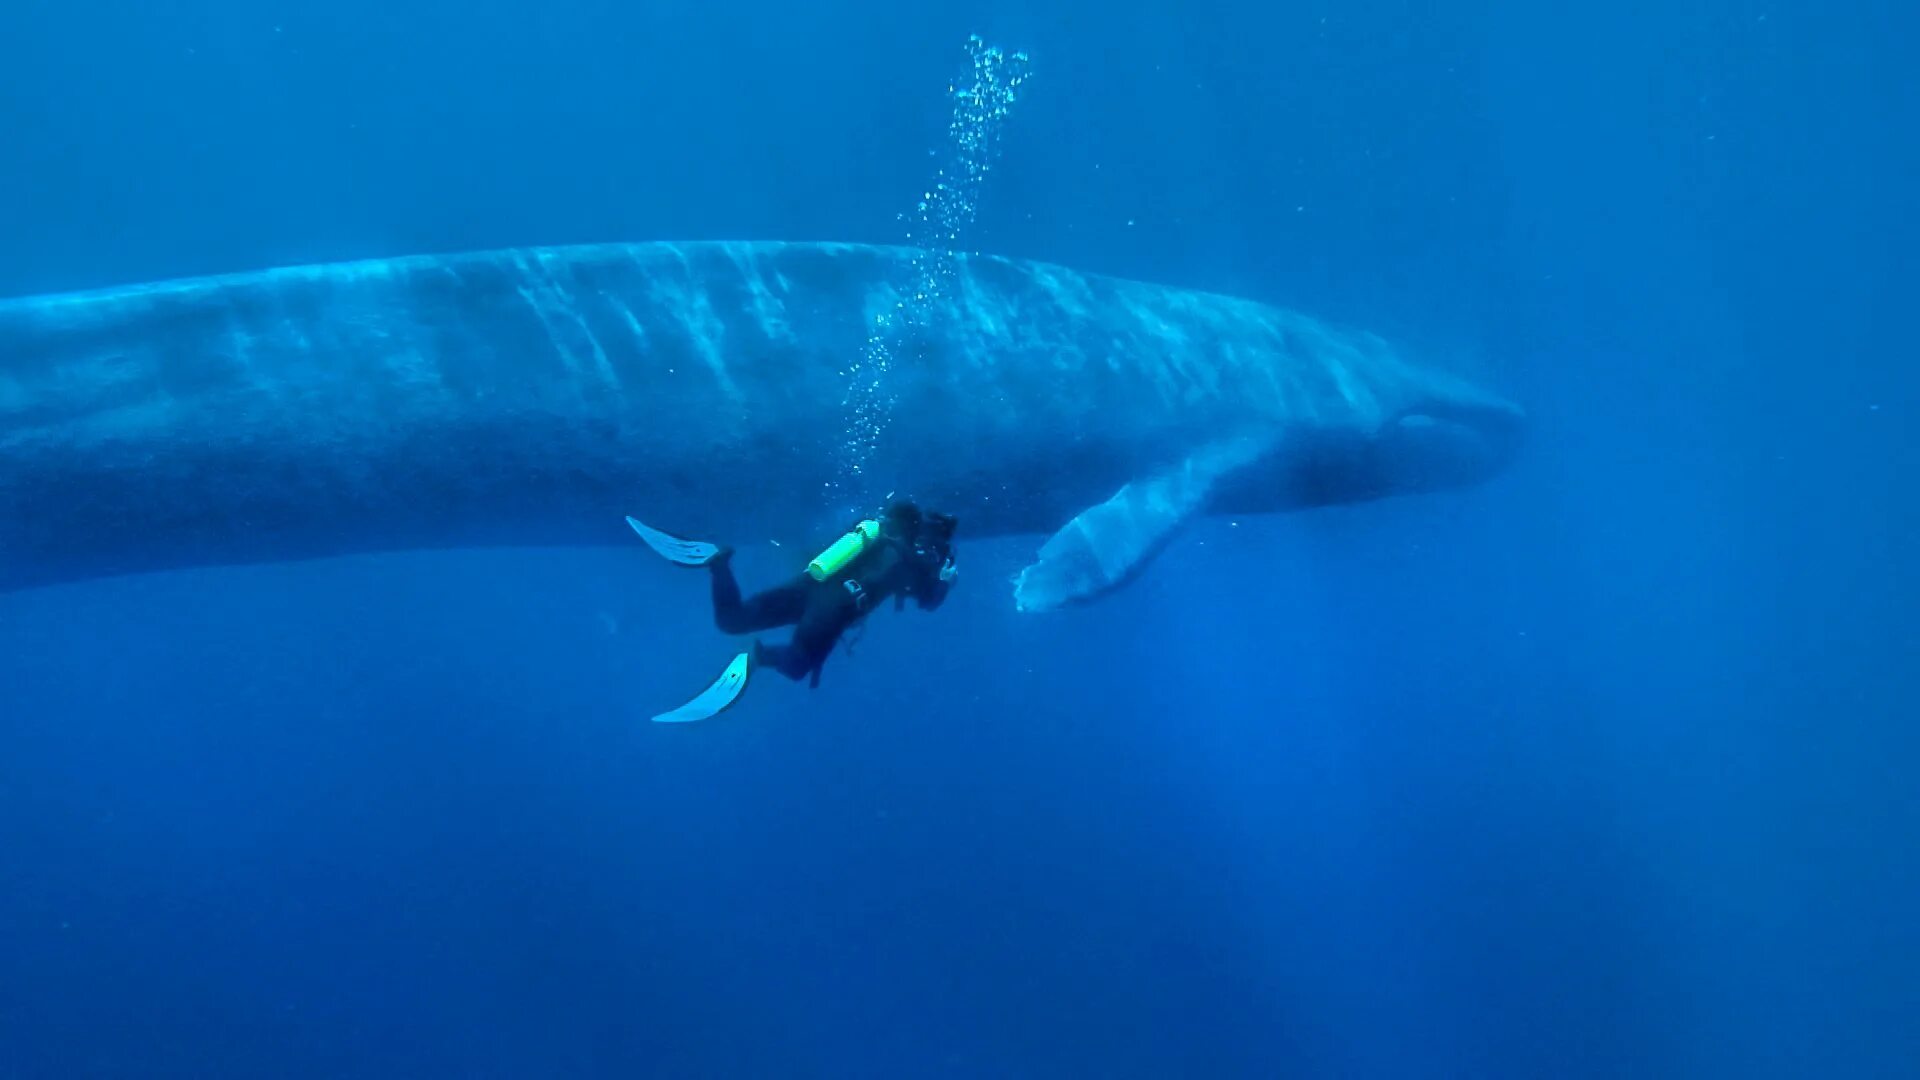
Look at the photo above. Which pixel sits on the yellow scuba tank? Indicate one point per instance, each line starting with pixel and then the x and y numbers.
pixel 844 550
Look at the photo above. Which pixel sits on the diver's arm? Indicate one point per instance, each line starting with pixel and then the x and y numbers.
pixel 939 583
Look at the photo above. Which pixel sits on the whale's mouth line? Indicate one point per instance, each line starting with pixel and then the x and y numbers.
pixel 1438 445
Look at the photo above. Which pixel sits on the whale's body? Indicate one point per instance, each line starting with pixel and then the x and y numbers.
pixel 537 396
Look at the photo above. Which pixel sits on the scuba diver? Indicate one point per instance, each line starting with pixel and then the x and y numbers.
pixel 905 553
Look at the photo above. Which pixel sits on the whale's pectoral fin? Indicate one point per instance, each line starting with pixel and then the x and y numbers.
pixel 1106 546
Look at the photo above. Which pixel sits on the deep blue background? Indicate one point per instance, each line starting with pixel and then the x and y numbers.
pixel 1604 769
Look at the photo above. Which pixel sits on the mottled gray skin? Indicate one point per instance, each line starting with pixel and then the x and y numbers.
pixel 537 396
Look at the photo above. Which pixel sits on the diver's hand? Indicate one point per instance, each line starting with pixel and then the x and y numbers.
pixel 948 571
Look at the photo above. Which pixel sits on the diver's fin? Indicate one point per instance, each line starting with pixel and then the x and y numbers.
pixel 715 699
pixel 1105 546
pixel 674 549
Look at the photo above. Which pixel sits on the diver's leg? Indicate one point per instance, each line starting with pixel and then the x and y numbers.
pixel 727 608
pixel 784 659
pixel 778 606
pixel 813 642
pixel 814 636
pixel 799 659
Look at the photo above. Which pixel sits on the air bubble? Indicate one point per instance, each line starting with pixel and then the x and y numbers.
pixel 982 101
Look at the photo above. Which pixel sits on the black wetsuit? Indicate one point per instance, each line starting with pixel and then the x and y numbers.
pixel 820 611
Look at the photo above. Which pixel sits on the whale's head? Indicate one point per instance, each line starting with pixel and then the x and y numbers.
pixel 1443 443
pixel 1437 436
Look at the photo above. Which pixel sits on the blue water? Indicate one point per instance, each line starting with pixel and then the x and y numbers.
pixel 1603 769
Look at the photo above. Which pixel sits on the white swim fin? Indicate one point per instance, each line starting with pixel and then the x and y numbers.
pixel 716 698
pixel 674 549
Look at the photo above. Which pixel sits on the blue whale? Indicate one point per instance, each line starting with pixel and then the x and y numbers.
pixel 536 396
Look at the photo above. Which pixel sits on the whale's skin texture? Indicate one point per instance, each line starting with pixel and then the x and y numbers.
pixel 536 396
